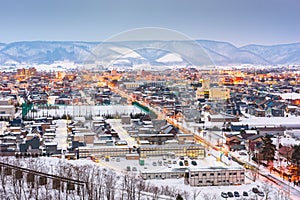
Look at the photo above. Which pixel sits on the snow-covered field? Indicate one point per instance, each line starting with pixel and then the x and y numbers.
pixel 88 110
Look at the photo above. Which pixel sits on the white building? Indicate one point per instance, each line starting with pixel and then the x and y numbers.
pixel 7 109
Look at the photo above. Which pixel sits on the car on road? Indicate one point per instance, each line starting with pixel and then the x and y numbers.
pixel 230 195
pixel 224 195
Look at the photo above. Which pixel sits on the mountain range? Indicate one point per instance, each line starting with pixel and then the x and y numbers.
pixel 128 53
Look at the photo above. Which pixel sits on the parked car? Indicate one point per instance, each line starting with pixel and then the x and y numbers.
pixel 194 162
pixel 261 194
pixel 180 163
pixel 236 194
pixel 245 194
pixel 230 195
pixel 255 190
pixel 159 163
pixel 174 162
pixel 134 169
pixel 224 195
pixel 186 163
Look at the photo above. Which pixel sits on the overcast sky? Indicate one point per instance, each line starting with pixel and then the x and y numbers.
pixel 239 22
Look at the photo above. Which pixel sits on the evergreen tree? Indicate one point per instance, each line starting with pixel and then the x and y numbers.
pixel 179 197
pixel 268 148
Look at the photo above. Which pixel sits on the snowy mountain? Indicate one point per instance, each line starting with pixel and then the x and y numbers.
pixel 199 52
pixel 277 54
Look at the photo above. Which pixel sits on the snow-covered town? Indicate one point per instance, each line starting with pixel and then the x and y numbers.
pixel 220 129
pixel 149 100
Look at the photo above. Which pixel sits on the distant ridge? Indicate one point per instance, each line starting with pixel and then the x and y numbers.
pixel 152 52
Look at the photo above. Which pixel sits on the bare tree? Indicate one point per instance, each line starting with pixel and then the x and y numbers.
pixel 98 178
pixel 155 192
pixel 123 189
pixel 186 194
pixel 129 182
pixel 87 176
pixel 140 186
pixel 110 180
pixel 266 187
pixel 195 193
pixel 209 196
pixel 3 179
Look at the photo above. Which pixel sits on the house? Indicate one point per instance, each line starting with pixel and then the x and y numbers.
pixel 184 138
pixel 291 109
pixel 285 152
pixel 51 147
pixel 16 122
pixel 237 147
pixel 168 129
pixel 294 134
pixel 233 139
pixel 245 134
pixel 277 112
pixel 271 130
pixel 86 137
pixel 256 112
pixel 191 115
pixel 155 138
pixel 31 145
pixel 238 127
pixel 125 119
pixel 254 142
pixel 7 110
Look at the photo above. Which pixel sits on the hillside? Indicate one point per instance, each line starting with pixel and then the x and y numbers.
pixel 169 53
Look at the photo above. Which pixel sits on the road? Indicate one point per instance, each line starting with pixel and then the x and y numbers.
pixel 290 191
pixel 123 134
pixel 264 175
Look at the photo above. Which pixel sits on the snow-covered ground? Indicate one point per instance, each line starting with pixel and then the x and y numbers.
pixel 61 134
pixel 88 110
